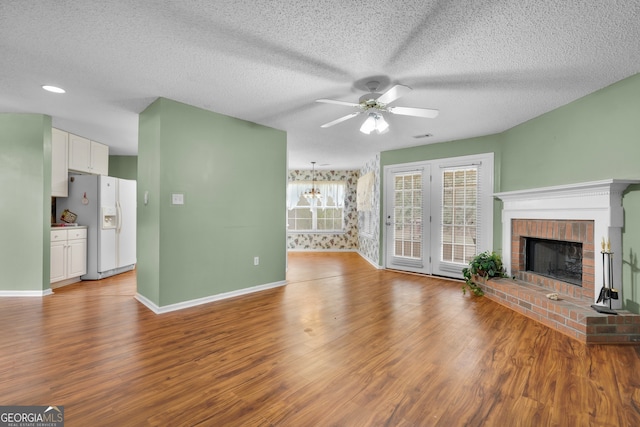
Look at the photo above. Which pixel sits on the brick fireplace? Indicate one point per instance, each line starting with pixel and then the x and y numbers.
pixel 579 231
pixel 582 214
pixel 564 213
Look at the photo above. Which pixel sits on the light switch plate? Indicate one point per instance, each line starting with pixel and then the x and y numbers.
pixel 177 199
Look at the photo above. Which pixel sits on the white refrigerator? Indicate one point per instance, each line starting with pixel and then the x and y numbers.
pixel 107 206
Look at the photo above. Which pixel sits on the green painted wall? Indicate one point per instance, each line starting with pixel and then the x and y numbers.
pixel 595 137
pixel 148 226
pixel 233 177
pixel 125 167
pixel 25 201
pixel 630 250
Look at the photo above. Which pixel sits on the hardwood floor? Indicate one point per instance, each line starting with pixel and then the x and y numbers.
pixel 343 344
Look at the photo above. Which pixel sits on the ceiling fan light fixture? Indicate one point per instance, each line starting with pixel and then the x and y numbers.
pixel 381 125
pixel 374 123
pixel 369 125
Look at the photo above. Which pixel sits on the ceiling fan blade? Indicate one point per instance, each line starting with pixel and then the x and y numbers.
pixel 416 112
pixel 335 101
pixel 394 93
pixel 340 120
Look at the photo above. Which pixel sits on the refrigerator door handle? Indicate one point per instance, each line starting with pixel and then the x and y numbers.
pixel 118 217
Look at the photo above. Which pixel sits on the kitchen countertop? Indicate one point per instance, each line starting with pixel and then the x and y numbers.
pixel 66 226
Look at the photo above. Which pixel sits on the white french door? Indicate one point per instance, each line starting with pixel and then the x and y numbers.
pixel 406 218
pixel 438 214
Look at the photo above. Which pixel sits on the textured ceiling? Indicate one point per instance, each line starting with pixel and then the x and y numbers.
pixel 486 65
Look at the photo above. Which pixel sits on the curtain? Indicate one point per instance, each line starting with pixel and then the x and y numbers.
pixel 364 196
pixel 334 190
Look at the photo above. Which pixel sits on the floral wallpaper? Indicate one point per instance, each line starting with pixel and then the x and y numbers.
pixel 348 240
pixel 369 244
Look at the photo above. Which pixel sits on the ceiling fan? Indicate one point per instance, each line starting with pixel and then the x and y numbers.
pixel 374 104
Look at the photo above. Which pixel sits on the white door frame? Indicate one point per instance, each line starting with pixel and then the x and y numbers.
pixel 424 264
pixel 432 206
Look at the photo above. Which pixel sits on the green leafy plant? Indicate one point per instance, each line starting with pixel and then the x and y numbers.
pixel 486 264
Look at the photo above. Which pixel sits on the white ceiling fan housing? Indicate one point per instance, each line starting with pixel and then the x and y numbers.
pixel 375 104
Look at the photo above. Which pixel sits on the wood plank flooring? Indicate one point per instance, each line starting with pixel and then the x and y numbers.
pixel 342 344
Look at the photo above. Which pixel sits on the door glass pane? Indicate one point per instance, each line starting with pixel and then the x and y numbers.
pixel 408 215
pixel 458 215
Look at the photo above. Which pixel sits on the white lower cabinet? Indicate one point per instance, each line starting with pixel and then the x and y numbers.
pixel 68 254
pixel 58 251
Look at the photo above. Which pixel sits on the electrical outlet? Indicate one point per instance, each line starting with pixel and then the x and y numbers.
pixel 256 260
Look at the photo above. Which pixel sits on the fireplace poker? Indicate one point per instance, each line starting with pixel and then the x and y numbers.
pixel 612 293
pixel 610 278
pixel 603 291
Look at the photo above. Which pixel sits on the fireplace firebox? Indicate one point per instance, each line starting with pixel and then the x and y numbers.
pixel 557 259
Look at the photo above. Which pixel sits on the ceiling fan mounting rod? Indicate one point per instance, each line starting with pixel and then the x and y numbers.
pixel 373 85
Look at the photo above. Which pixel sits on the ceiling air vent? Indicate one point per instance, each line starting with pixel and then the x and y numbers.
pixel 424 135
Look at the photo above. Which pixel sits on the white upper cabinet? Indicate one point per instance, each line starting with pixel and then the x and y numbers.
pixel 79 153
pixel 59 163
pixel 88 156
pixel 99 158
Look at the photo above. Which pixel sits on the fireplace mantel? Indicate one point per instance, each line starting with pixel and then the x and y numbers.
pixel 598 201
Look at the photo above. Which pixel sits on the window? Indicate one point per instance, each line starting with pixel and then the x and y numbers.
pixel 364 203
pixel 365 222
pixel 459 214
pixel 407 216
pixel 322 216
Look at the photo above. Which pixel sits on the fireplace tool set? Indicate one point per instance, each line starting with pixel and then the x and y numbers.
pixel 607 292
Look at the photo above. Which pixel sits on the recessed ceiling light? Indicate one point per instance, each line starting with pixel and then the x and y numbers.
pixel 53 89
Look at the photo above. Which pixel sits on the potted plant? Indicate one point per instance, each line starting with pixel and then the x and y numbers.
pixel 486 265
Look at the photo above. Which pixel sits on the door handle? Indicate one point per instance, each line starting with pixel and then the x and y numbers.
pixel 118 217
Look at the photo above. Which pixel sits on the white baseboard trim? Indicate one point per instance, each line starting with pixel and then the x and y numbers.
pixel 199 301
pixel 147 303
pixel 43 293
pixel 379 267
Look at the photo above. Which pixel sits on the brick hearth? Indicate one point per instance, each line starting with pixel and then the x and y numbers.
pixel 571 316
